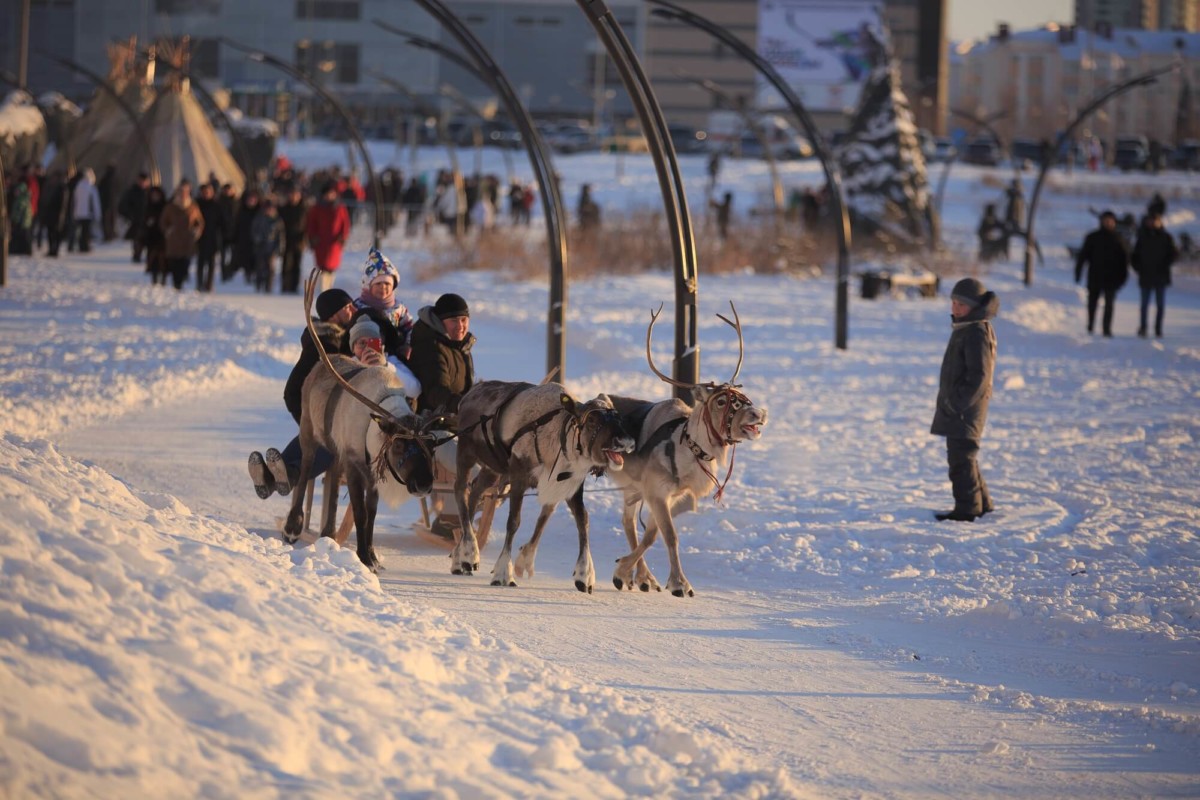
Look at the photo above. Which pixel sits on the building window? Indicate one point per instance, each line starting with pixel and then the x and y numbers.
pixel 210 7
pixel 328 9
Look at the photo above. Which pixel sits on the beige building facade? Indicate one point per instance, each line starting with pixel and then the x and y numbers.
pixel 1041 79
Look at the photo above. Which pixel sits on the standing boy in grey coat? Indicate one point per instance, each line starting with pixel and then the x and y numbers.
pixel 964 390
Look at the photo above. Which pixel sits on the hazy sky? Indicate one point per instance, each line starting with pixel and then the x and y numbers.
pixel 976 18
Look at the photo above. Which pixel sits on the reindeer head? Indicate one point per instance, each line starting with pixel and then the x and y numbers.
pixel 730 415
pixel 599 432
pixel 408 453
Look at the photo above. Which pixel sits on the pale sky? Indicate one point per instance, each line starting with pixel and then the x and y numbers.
pixel 977 18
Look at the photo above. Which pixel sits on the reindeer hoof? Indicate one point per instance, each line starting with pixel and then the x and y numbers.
pixel 617 583
pixel 645 587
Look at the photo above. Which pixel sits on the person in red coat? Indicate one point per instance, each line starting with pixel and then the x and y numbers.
pixel 327 228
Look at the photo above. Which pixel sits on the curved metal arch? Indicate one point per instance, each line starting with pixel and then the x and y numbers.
pixel 833 175
pixel 539 155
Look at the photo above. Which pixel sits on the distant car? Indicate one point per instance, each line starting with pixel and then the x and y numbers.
pixel 1186 155
pixel 686 139
pixel 1132 152
pixel 1027 150
pixel 943 150
pixel 983 151
pixel 570 138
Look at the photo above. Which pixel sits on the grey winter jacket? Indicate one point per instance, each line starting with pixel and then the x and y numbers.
pixel 965 387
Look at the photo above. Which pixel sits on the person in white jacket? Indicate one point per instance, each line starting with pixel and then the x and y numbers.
pixel 86 207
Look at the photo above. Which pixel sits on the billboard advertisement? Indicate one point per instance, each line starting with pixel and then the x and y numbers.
pixel 816 48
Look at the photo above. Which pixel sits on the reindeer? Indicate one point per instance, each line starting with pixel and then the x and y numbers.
pixel 534 437
pixel 680 451
pixel 361 415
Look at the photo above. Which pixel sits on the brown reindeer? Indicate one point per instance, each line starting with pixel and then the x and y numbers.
pixel 361 415
pixel 681 451
pixel 534 437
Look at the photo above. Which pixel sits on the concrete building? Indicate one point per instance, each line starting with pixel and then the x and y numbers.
pixel 1043 78
pixel 1111 14
pixel 1182 15
pixel 547 48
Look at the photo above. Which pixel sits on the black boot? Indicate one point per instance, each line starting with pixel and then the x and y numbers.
pixel 956 516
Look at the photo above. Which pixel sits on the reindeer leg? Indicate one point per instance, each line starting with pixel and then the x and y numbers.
pixel 585 571
pixel 295 520
pixel 333 481
pixel 464 559
pixel 502 573
pixel 677 583
pixel 372 508
pixel 642 577
pixel 358 502
pixel 527 554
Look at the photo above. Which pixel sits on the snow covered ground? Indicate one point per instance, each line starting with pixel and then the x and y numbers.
pixel 160 640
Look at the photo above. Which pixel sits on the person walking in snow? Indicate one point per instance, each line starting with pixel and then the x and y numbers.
pixel 86 208
pixel 964 391
pixel 1106 256
pixel 182 224
pixel 1153 256
pixel 327 226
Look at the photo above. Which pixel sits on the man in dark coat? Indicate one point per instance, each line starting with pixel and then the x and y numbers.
pixel 964 391
pixel 52 210
pixel 1153 256
pixel 210 239
pixel 292 214
pixel 132 207
pixel 1106 256
pixel 441 360
pixel 441 353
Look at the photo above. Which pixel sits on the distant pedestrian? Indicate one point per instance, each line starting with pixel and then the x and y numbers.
pixel 268 234
pixel 964 391
pixel 86 209
pixel 724 210
pixel 210 239
pixel 327 226
pixel 132 206
pixel 293 214
pixel 1106 256
pixel 182 224
pixel 1153 256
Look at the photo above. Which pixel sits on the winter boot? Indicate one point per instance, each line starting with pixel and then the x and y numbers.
pixel 279 471
pixel 956 516
pixel 264 483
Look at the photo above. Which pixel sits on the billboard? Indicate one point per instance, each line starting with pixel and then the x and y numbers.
pixel 816 48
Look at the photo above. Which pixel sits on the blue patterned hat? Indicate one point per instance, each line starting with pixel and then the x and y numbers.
pixel 377 267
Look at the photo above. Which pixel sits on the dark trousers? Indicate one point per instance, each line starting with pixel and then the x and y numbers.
pixel 54 237
pixel 1160 302
pixel 206 265
pixel 289 269
pixel 1110 302
pixel 970 489
pixel 178 267
pixel 292 455
pixel 85 235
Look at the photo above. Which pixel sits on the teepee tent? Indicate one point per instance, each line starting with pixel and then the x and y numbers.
pixel 183 140
pixel 883 168
pixel 22 132
pixel 104 129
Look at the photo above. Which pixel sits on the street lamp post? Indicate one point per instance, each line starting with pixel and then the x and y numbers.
pixel 833 174
pixel 1144 79
pixel 539 156
pixel 351 128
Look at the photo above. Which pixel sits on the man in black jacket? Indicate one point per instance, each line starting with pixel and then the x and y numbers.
pixel 1153 256
pixel 292 214
pixel 132 207
pixel 1106 256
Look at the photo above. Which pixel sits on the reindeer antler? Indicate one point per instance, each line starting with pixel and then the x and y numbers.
pixel 650 358
pixel 737 326
pixel 309 291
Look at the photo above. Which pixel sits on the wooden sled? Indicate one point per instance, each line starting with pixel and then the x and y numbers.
pixel 440 504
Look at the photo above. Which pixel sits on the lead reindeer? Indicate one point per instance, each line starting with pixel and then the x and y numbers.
pixel 534 437
pixel 361 415
pixel 681 449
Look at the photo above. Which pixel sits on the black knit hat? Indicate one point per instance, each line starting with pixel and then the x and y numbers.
pixel 450 305
pixel 331 301
pixel 969 291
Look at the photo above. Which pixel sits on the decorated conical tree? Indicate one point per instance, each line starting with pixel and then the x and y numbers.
pixel 883 168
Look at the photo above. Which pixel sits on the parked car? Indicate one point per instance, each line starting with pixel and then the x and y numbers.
pixel 687 139
pixel 943 150
pixel 1186 155
pixel 982 150
pixel 1027 151
pixel 1131 152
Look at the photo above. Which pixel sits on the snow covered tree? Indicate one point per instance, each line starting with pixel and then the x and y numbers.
pixel 883 168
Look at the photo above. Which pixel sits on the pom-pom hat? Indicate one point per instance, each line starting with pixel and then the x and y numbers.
pixel 378 268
